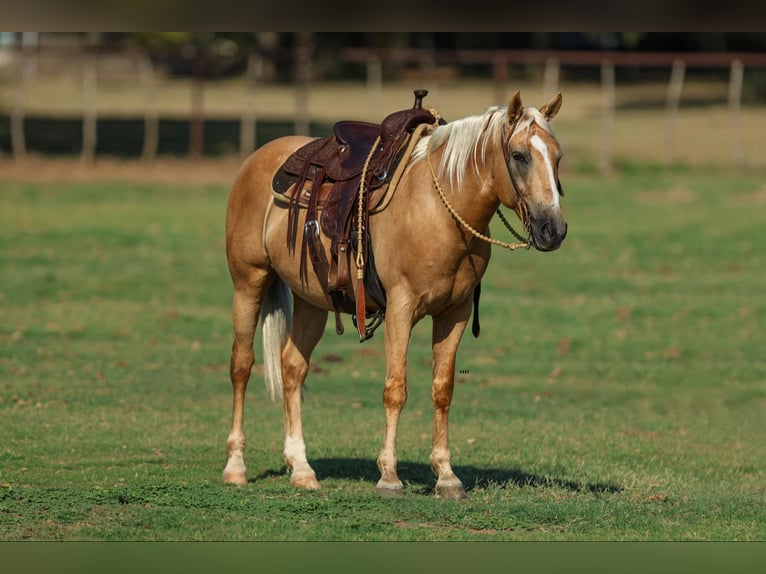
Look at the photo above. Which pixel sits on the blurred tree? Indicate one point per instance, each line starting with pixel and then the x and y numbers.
pixel 227 52
pixel 222 53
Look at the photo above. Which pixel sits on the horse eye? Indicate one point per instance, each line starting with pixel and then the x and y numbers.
pixel 519 157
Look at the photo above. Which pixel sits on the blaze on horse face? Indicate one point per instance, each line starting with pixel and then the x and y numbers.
pixel 534 156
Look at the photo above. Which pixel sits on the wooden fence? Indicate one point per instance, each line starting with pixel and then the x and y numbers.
pixel 606 60
pixel 373 61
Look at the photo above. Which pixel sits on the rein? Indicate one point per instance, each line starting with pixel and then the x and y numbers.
pixel 526 244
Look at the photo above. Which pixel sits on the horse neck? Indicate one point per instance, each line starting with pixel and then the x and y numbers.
pixel 485 185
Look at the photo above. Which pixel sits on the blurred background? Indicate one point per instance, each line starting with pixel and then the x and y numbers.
pixel 664 98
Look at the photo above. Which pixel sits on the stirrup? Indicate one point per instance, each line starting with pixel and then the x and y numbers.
pixel 376 319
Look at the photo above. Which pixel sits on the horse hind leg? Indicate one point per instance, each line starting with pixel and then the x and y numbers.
pixel 307 329
pixel 245 310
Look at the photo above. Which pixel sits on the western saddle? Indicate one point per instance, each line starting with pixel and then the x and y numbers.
pixel 346 176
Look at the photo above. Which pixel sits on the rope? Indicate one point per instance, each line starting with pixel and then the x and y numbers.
pixel 511 229
pixel 435 114
pixel 360 213
pixel 464 223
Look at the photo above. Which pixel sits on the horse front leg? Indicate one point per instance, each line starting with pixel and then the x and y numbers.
pixel 397 334
pixel 447 332
pixel 307 328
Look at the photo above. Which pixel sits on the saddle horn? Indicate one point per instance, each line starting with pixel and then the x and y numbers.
pixel 419 95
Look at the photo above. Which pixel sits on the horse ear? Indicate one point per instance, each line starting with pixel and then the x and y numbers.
pixel 550 109
pixel 514 109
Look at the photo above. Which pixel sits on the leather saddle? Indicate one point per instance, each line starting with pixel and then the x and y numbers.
pixel 325 176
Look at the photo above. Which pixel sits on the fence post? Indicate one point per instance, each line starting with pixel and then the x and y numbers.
pixel 375 84
pixel 151 119
pixel 550 78
pixel 247 133
pixel 26 70
pixel 607 116
pixel 303 51
pixel 735 105
pixel 197 119
pixel 428 69
pixel 89 116
pixel 673 101
pixel 500 77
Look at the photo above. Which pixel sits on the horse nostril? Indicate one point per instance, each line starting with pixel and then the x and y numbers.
pixel 563 235
pixel 545 230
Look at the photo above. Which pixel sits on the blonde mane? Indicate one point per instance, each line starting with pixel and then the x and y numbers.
pixel 465 140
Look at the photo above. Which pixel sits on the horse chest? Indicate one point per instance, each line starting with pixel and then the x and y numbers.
pixel 450 285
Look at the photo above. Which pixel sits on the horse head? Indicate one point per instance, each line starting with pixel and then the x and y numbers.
pixel 532 156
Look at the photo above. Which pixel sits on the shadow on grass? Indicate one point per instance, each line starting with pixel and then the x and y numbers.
pixel 420 476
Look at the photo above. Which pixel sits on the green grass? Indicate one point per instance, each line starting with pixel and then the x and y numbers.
pixel 617 390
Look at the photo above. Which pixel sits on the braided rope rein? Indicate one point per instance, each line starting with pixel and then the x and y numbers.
pixel 512 246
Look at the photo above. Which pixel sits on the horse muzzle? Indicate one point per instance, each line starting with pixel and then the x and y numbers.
pixel 548 232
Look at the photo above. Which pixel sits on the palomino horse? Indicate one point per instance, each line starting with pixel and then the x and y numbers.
pixel 432 250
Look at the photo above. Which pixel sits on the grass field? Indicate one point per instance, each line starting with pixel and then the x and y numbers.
pixel 617 391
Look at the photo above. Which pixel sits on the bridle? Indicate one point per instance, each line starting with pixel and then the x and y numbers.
pixel 523 208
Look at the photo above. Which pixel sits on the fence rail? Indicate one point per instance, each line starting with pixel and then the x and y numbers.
pixel 568 57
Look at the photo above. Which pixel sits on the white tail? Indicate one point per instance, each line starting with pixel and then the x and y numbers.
pixel 277 313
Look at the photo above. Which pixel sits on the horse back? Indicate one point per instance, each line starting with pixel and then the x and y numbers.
pixel 262 164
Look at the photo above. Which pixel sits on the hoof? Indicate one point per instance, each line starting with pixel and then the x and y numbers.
pixel 454 492
pixel 309 482
pixel 235 477
pixel 388 490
